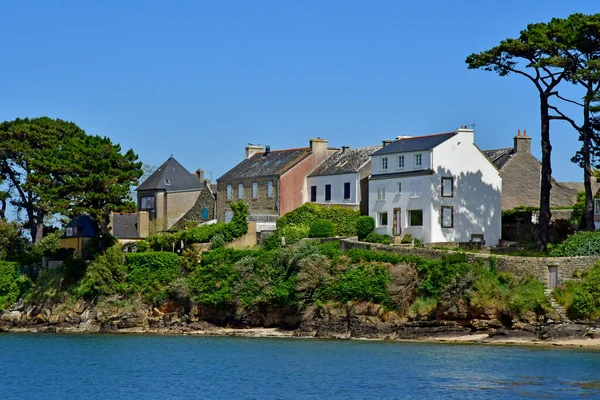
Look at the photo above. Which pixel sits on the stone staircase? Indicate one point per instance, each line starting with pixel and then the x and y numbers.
pixel 562 313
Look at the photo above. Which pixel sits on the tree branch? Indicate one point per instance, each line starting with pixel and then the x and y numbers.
pixel 567 100
pixel 563 117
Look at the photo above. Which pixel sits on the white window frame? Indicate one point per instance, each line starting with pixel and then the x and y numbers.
pixel 381 193
pixel 270 189
pixel 379 218
pixel 229 192
pixel 449 209
pixel 401 162
pixel 241 191
pixel 418 160
pixel 399 187
pixel 384 163
pixel 254 190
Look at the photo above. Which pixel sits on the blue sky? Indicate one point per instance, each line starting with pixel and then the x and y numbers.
pixel 201 79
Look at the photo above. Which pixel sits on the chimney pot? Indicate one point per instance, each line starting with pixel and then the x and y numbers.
pixel 200 174
pixel 525 132
pixel 344 148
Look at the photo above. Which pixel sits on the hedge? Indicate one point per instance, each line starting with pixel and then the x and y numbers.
pixel 578 244
pixel 150 273
pixel 364 226
pixel 321 228
pixel 344 219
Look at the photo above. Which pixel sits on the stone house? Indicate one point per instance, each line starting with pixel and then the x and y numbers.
pixel 271 182
pixel 343 179
pixel 205 208
pixel 521 176
pixel 438 188
pixel 169 194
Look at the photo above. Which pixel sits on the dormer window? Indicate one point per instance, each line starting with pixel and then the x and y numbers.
pixel 418 160
pixel 167 181
pixel 384 163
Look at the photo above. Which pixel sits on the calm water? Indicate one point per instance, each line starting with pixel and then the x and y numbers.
pixel 37 366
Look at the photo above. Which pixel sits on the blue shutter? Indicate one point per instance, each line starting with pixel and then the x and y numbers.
pixel 205 213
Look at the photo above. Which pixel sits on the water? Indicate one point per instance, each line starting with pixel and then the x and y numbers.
pixel 38 366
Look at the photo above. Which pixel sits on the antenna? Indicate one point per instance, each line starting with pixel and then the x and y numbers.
pixel 472 126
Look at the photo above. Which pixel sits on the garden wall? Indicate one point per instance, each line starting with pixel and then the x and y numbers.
pixel 569 268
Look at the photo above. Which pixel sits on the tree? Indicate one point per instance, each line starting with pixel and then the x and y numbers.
pixel 578 39
pixel 54 167
pixel 534 56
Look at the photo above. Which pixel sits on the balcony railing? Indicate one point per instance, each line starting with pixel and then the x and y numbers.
pixel 263 218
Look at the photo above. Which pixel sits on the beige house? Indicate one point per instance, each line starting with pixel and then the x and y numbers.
pixel 168 194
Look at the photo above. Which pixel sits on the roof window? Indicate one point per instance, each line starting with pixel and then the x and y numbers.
pixel 167 181
pixel 267 162
pixel 279 162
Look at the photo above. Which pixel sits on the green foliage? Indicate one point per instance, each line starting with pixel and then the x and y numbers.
pixel 97 245
pixel 423 307
pixel 293 233
pixel 272 242
pixel 585 303
pixel 578 214
pixel 365 282
pixel 378 238
pixel 73 269
pixel 364 226
pixel 343 219
pixel 578 244
pixel 217 242
pixel 12 242
pixel 321 228
pixel 150 273
pixel 9 288
pixel 104 276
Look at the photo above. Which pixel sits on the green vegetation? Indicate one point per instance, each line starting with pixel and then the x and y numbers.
pixel 321 228
pixel 344 219
pixel 581 299
pixel 378 238
pixel 364 226
pixel 579 244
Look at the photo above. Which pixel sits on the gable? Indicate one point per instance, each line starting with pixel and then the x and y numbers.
pixel 171 176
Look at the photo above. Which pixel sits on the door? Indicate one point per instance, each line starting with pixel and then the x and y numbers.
pixel 397 222
pixel 552 276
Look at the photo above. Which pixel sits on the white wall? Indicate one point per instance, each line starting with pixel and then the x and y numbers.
pixel 337 188
pixel 476 199
pixel 409 162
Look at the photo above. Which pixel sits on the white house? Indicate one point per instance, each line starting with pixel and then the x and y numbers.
pixel 343 179
pixel 439 188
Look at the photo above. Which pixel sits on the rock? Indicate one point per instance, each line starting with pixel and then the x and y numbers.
pixel 130 322
pixel 12 316
pixel 39 319
pixel 72 317
pixel 170 306
pixel 79 307
pixel 56 319
pixel 156 313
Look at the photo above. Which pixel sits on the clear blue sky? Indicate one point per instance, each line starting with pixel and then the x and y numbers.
pixel 200 79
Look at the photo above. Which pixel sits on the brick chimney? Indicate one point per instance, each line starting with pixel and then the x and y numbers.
pixel 318 146
pixel 252 149
pixel 143 224
pixel 200 174
pixel 522 143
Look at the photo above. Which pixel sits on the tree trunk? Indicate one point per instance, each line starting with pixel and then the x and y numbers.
pixel 586 137
pixel 38 227
pixel 545 184
pixel 2 209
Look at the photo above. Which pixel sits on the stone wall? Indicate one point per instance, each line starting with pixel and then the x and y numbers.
pixel 206 199
pixel 262 204
pixel 569 268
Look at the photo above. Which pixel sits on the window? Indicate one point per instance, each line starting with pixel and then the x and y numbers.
pixel 270 189
pixel 447 217
pixel 448 187
pixel 205 213
pixel 346 190
pixel 327 192
pixel 415 217
pixel 147 203
pixel 418 160
pixel 167 181
pixel 255 190
pixel 381 193
pixel 400 162
pixel 596 206
pixel 399 187
pixel 415 189
pixel 241 191
pixel 229 192
pixel 384 163
pixel 228 216
pixel 383 219
pixel 313 194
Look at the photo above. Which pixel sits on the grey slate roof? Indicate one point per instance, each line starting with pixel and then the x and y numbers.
pixel 345 161
pixel 125 226
pixel 416 143
pixel 499 157
pixel 275 163
pixel 85 227
pixel 171 171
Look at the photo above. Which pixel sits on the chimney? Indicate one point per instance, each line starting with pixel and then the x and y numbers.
pixel 344 148
pixel 522 142
pixel 466 134
pixel 206 182
pixel 318 146
pixel 267 150
pixel 386 142
pixel 200 174
pixel 143 224
pixel 252 149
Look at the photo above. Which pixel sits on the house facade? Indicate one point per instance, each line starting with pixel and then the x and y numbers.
pixel 271 182
pixel 439 188
pixel 204 210
pixel 343 179
pixel 168 194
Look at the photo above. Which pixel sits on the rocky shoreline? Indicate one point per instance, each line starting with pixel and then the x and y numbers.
pixel 171 318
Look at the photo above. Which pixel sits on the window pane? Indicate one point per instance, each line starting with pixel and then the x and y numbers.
pixel 447 217
pixel 383 219
pixel 447 187
pixel 313 194
pixel 416 217
pixel 254 190
pixel 229 192
pixel 346 190
pixel 241 191
pixel 270 189
pixel 327 192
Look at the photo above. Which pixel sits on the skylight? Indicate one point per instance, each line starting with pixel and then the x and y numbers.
pixel 167 181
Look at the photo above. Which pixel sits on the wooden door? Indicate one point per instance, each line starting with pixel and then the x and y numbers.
pixel 397 221
pixel 552 276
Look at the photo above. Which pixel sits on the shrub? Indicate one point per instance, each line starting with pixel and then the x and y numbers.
pixel 217 242
pixel 293 234
pixel 579 244
pixel 422 308
pixel 150 273
pixel 407 238
pixel 313 276
pixel 364 226
pixel 9 289
pixel 586 295
pixel 272 242
pixel 344 219
pixel 104 276
pixel 367 282
pixel 402 286
pixel 378 238
pixel 321 228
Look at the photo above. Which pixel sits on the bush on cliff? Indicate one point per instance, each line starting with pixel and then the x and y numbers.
pixel 105 275
pixel 579 244
pixel 582 299
pixel 364 225
pixel 150 274
pixel 9 289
